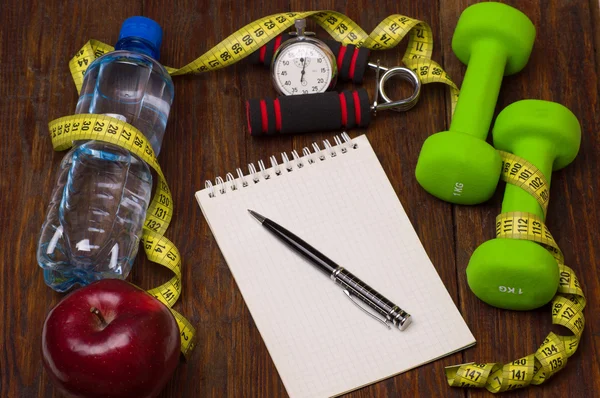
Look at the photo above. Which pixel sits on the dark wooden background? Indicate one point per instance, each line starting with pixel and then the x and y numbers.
pixel 206 137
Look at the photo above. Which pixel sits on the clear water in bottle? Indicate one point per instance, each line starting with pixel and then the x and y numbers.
pixel 96 214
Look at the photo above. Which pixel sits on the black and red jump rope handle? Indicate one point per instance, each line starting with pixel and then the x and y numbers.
pixel 309 113
pixel 352 61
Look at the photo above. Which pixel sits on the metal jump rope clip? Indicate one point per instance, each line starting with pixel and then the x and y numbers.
pixel 405 74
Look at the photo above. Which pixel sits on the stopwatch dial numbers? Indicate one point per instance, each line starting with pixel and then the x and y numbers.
pixel 302 68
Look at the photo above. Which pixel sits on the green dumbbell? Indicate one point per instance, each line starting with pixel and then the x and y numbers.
pixel 458 165
pixel 520 274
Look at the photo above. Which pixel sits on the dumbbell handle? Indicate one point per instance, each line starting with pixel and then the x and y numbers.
pixel 540 153
pixel 480 89
pixel 309 113
pixel 352 61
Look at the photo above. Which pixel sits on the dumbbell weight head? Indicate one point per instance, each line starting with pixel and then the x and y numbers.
pixel 512 274
pixel 458 168
pixel 498 23
pixel 536 122
pixel 458 165
pixel 546 134
pixel 520 274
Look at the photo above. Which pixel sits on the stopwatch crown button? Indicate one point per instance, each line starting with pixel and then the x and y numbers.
pixel 300 24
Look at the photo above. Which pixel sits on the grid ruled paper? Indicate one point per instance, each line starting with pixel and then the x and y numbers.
pixel 344 206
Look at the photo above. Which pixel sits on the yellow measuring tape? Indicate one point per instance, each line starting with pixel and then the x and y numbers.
pixel 159 249
pixel 520 172
pixel 387 34
pixel 237 46
pixel 567 304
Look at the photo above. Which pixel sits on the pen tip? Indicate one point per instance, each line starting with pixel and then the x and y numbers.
pixel 257 216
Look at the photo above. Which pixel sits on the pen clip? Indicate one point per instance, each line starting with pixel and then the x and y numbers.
pixel 378 319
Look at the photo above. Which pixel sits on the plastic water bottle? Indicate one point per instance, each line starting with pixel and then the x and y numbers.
pixel 96 214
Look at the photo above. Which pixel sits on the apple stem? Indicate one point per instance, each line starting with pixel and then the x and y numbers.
pixel 96 312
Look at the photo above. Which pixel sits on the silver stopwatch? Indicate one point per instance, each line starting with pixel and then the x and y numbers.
pixel 303 65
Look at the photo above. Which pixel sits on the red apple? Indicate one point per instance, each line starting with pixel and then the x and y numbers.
pixel 110 339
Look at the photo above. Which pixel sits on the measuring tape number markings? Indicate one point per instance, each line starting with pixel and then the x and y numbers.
pixel 245 41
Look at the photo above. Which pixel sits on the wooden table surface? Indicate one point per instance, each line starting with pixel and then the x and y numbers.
pixel 206 137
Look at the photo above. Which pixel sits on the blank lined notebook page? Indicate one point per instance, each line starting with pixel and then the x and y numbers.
pixel 343 205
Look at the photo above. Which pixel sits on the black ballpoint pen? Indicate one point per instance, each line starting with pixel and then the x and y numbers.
pixel 353 287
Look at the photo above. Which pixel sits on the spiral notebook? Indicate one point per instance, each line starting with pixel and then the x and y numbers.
pixel 337 198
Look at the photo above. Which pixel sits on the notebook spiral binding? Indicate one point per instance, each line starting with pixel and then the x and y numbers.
pixel 343 142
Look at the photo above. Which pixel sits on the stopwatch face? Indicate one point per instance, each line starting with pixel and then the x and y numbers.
pixel 302 68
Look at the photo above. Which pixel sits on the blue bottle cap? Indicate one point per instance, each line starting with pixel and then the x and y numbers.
pixel 142 28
